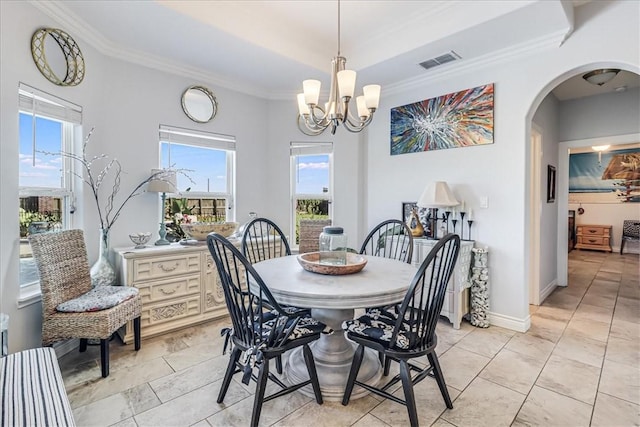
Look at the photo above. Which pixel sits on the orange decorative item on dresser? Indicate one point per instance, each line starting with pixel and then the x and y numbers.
pixel 596 237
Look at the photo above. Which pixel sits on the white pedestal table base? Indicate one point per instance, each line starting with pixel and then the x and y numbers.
pixel 333 355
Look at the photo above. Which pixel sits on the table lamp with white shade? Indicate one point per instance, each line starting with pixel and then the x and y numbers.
pixel 165 182
pixel 436 195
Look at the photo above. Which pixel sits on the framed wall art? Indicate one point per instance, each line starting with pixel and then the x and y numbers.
pixel 608 176
pixel 551 184
pixel 459 119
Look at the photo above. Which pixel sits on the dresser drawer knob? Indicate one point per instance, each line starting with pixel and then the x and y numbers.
pixel 162 291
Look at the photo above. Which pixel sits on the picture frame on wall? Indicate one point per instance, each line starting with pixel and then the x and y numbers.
pixel 551 184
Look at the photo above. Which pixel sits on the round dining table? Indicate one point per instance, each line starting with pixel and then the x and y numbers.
pixel 332 300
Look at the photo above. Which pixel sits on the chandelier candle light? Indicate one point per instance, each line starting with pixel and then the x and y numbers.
pixel 313 119
pixel 165 182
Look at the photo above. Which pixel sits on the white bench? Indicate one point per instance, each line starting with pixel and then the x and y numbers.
pixel 33 392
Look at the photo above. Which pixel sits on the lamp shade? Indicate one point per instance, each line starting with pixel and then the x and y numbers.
pixel 437 195
pixel 164 182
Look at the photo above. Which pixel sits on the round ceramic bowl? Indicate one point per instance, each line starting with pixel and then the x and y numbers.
pixel 311 262
pixel 200 230
pixel 140 239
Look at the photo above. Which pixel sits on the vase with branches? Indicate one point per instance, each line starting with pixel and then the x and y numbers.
pixel 102 272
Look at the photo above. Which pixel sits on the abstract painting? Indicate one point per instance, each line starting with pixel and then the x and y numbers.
pixel 611 176
pixel 459 119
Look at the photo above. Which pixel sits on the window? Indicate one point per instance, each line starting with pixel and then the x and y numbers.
pixel 206 186
pixel 47 125
pixel 311 182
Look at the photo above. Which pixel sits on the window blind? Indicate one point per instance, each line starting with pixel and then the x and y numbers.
pixel 39 103
pixel 310 148
pixel 176 135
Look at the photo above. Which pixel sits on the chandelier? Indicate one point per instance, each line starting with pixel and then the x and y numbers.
pixel 314 119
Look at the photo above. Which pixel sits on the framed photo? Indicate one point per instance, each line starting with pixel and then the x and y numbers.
pixel 551 184
pixel 407 207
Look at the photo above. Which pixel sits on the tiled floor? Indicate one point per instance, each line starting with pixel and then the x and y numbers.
pixel 578 365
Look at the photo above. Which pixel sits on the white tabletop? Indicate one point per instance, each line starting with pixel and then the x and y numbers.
pixel 382 281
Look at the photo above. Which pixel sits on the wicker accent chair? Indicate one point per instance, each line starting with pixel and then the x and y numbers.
pixel 409 332
pixel 260 331
pixel 61 258
pixel 310 230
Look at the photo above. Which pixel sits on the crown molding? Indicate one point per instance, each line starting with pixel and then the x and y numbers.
pixel 74 24
pixel 457 68
pixel 61 14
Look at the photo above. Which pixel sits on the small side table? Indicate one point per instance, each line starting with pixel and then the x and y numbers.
pixel 479 288
pixel 4 335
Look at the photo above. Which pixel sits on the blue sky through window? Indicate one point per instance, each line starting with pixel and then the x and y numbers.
pixel 48 169
pixel 205 166
pixel 312 174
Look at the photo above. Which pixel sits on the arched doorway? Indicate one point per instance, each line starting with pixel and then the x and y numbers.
pixel 546 243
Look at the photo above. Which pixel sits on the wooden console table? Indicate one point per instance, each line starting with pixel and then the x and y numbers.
pixel 596 237
pixel 179 286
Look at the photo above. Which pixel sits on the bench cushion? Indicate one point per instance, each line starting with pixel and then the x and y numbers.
pixel 33 392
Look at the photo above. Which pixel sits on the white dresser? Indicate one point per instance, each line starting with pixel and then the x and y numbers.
pixel 179 286
pixel 456 301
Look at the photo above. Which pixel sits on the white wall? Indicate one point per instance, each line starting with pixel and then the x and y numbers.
pixel 546 118
pixel 499 171
pixel 616 113
pixel 126 103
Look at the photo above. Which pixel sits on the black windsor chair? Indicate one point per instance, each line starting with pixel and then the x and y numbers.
pixel 262 239
pixel 259 335
pixel 410 332
pixel 389 239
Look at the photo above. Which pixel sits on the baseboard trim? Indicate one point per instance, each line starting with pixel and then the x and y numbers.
pixel 544 293
pixel 508 322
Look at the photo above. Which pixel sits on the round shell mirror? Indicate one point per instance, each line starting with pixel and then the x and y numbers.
pixel 57 56
pixel 199 104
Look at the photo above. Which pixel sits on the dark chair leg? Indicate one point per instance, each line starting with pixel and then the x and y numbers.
pixel 231 367
pixel 387 366
pixel 621 246
pixel 437 372
pixel 83 345
pixel 279 364
pixel 313 374
pixel 263 374
pixel 136 333
pixel 353 374
pixel 407 387
pixel 104 357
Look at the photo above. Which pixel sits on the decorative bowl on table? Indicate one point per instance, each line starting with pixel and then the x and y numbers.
pixel 200 230
pixel 311 262
pixel 140 239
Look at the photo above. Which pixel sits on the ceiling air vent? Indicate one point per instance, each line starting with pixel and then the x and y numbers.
pixel 439 60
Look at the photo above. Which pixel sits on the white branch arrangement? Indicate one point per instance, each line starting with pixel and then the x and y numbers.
pixel 107 214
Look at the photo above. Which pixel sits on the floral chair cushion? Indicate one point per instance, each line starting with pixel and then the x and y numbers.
pixel 377 324
pixel 306 325
pixel 98 298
